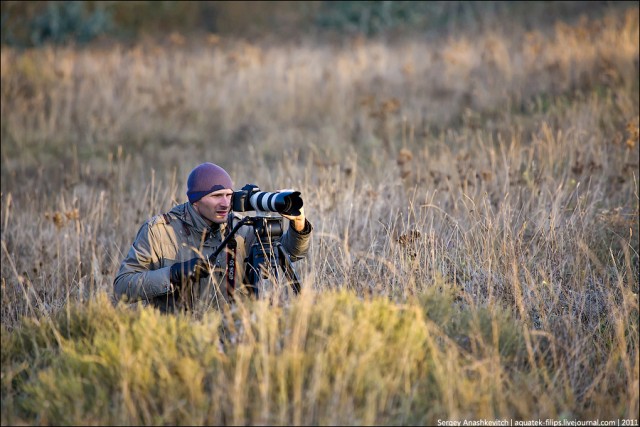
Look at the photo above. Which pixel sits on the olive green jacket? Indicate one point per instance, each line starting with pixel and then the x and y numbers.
pixel 182 234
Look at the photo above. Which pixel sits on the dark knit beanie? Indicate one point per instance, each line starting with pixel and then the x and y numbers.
pixel 207 178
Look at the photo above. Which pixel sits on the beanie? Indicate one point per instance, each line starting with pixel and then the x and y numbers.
pixel 207 178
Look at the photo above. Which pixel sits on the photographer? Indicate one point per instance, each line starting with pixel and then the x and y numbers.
pixel 169 262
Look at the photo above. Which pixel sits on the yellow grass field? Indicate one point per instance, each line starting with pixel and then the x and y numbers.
pixel 474 197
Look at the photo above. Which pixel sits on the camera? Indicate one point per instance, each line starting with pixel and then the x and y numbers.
pixel 250 198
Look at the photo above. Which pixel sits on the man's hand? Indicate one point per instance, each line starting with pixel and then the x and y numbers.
pixel 298 221
pixel 191 270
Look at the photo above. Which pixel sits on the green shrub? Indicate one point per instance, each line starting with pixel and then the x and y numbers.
pixel 67 21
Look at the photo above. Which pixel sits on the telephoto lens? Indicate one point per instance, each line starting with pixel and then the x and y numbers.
pixel 283 202
pixel 250 198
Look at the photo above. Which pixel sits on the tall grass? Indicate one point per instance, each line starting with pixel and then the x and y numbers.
pixel 475 203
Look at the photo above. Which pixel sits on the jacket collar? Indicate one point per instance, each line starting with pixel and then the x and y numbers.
pixel 192 219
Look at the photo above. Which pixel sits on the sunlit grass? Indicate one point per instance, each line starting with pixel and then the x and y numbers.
pixel 326 359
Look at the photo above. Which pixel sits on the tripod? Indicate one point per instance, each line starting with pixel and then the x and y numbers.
pixel 267 257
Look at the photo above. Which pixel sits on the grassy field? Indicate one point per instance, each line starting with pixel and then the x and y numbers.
pixel 475 201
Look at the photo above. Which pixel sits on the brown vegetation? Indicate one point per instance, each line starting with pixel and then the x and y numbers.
pixel 479 192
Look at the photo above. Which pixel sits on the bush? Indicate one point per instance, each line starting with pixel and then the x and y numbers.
pixel 67 21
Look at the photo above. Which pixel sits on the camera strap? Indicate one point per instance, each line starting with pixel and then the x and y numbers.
pixel 231 267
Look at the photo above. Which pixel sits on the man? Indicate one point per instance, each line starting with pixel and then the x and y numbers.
pixel 168 263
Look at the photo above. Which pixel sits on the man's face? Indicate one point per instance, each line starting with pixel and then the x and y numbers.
pixel 215 206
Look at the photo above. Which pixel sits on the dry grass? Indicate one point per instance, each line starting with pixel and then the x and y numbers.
pixel 475 201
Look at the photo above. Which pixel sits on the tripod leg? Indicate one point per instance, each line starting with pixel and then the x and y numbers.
pixel 290 273
pixel 261 268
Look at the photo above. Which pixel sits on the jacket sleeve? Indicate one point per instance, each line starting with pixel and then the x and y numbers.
pixel 141 276
pixel 297 242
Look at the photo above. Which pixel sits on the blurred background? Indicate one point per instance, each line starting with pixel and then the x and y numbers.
pixel 33 23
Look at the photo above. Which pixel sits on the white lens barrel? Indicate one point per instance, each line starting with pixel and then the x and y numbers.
pixel 264 201
pixel 283 202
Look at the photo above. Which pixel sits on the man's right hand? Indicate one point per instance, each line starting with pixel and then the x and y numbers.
pixel 191 270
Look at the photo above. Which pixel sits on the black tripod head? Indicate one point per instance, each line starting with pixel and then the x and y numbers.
pixel 267 227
